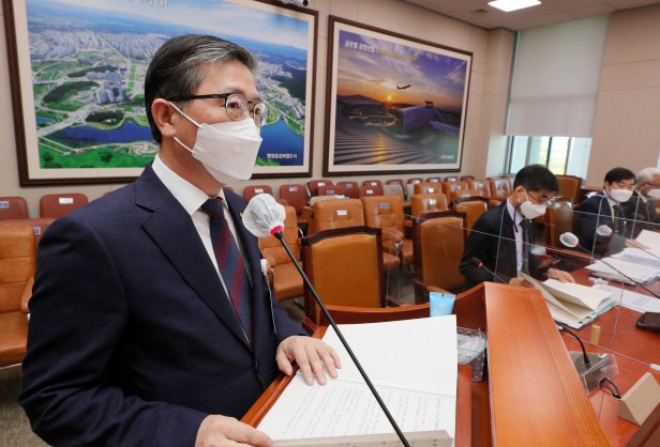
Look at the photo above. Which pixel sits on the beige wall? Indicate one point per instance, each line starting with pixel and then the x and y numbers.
pixel 627 124
pixel 486 106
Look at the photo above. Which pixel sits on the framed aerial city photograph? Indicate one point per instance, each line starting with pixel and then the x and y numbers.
pixel 77 76
pixel 394 104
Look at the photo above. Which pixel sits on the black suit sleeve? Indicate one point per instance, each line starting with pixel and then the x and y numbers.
pixel 79 312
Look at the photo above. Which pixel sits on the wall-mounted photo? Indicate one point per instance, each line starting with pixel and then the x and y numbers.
pixel 395 104
pixel 78 70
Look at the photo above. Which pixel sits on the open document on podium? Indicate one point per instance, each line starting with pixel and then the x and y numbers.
pixel 412 364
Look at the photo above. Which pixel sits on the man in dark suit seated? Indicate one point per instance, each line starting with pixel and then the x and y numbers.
pixel 640 209
pixel 600 221
pixel 503 237
pixel 151 321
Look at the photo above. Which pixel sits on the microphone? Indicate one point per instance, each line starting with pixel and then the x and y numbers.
pixel 263 216
pixel 571 240
pixel 476 261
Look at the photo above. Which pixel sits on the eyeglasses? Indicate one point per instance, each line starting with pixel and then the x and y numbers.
pixel 544 200
pixel 236 106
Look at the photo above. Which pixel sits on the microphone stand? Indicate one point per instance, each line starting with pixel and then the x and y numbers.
pixel 319 302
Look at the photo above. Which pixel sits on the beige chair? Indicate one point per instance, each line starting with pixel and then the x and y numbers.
pixel 17 264
pixel 284 276
pixel 345 267
pixel 439 240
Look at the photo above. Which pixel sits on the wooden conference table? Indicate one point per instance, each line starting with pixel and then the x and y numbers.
pixel 531 395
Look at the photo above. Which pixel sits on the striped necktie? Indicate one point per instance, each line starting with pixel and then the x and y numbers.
pixel 230 262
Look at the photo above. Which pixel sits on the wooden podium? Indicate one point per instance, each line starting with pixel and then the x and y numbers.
pixel 532 395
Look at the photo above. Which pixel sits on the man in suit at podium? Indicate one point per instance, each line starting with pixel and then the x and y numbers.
pixel 151 321
pixel 502 238
pixel 607 209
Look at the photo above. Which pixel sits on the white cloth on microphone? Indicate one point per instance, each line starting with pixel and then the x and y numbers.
pixel 263 214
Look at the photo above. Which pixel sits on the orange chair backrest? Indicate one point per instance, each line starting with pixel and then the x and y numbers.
pixel 439 242
pixel 558 220
pixel 473 209
pixel 373 183
pixel 428 203
pixel 17 264
pixel 58 205
pixel 331 190
pixel 340 213
pixel 569 187
pixel 463 193
pixel 384 212
pixel 500 188
pixel 253 190
pixel 369 191
pixel 481 185
pixel 350 189
pixel 295 195
pixel 428 188
pixel 14 207
pixel 313 186
pixel 449 187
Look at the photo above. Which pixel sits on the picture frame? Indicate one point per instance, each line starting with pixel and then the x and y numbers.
pixel 395 104
pixel 77 70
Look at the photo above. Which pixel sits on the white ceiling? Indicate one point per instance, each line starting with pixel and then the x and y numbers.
pixel 479 13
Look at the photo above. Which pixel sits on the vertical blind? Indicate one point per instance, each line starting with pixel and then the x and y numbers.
pixel 556 75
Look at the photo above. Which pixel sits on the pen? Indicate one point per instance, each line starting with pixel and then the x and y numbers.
pixel 654 366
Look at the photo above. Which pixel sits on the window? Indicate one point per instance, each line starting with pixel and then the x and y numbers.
pixel 561 155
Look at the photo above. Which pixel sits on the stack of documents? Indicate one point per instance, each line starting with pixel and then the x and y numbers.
pixel 637 256
pixel 618 269
pixel 632 300
pixel 412 364
pixel 650 239
pixel 573 304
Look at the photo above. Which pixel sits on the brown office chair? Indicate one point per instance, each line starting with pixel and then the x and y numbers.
pixel 421 204
pixel 353 315
pixel 17 258
pixel 462 193
pixel 285 278
pixel 331 190
pixel 451 178
pixel 38 225
pixel 466 178
pixel 345 267
pixel 313 186
pixel 14 207
pixel 339 213
pixel 473 207
pixel 350 189
pixel 296 196
pixel 558 220
pixel 439 240
pixel 364 191
pixel 386 213
pixel 428 188
pixel 500 188
pixel 449 187
pixel 373 183
pixel 434 180
pixel 482 185
pixel 569 187
pixel 58 205
pixel 253 190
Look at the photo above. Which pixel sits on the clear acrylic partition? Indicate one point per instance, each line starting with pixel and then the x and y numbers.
pixel 610 254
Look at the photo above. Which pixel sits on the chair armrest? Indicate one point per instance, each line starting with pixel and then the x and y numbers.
pixel 27 294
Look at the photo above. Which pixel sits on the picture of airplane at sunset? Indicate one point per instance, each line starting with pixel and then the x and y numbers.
pixel 396 102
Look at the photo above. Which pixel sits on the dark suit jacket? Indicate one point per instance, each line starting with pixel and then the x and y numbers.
pixel 641 215
pixel 492 240
pixel 592 213
pixel 132 339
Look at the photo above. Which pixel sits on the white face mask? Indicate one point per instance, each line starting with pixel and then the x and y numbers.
pixel 228 150
pixel 621 195
pixel 653 193
pixel 531 210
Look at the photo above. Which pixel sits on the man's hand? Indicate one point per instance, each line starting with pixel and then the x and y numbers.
pixel 560 275
pixel 311 354
pixel 219 431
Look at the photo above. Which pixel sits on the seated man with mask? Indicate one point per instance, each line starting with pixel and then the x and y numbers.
pixel 503 237
pixel 600 223
pixel 640 209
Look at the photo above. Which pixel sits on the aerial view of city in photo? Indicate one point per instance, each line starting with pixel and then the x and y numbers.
pixel 89 60
pixel 397 104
